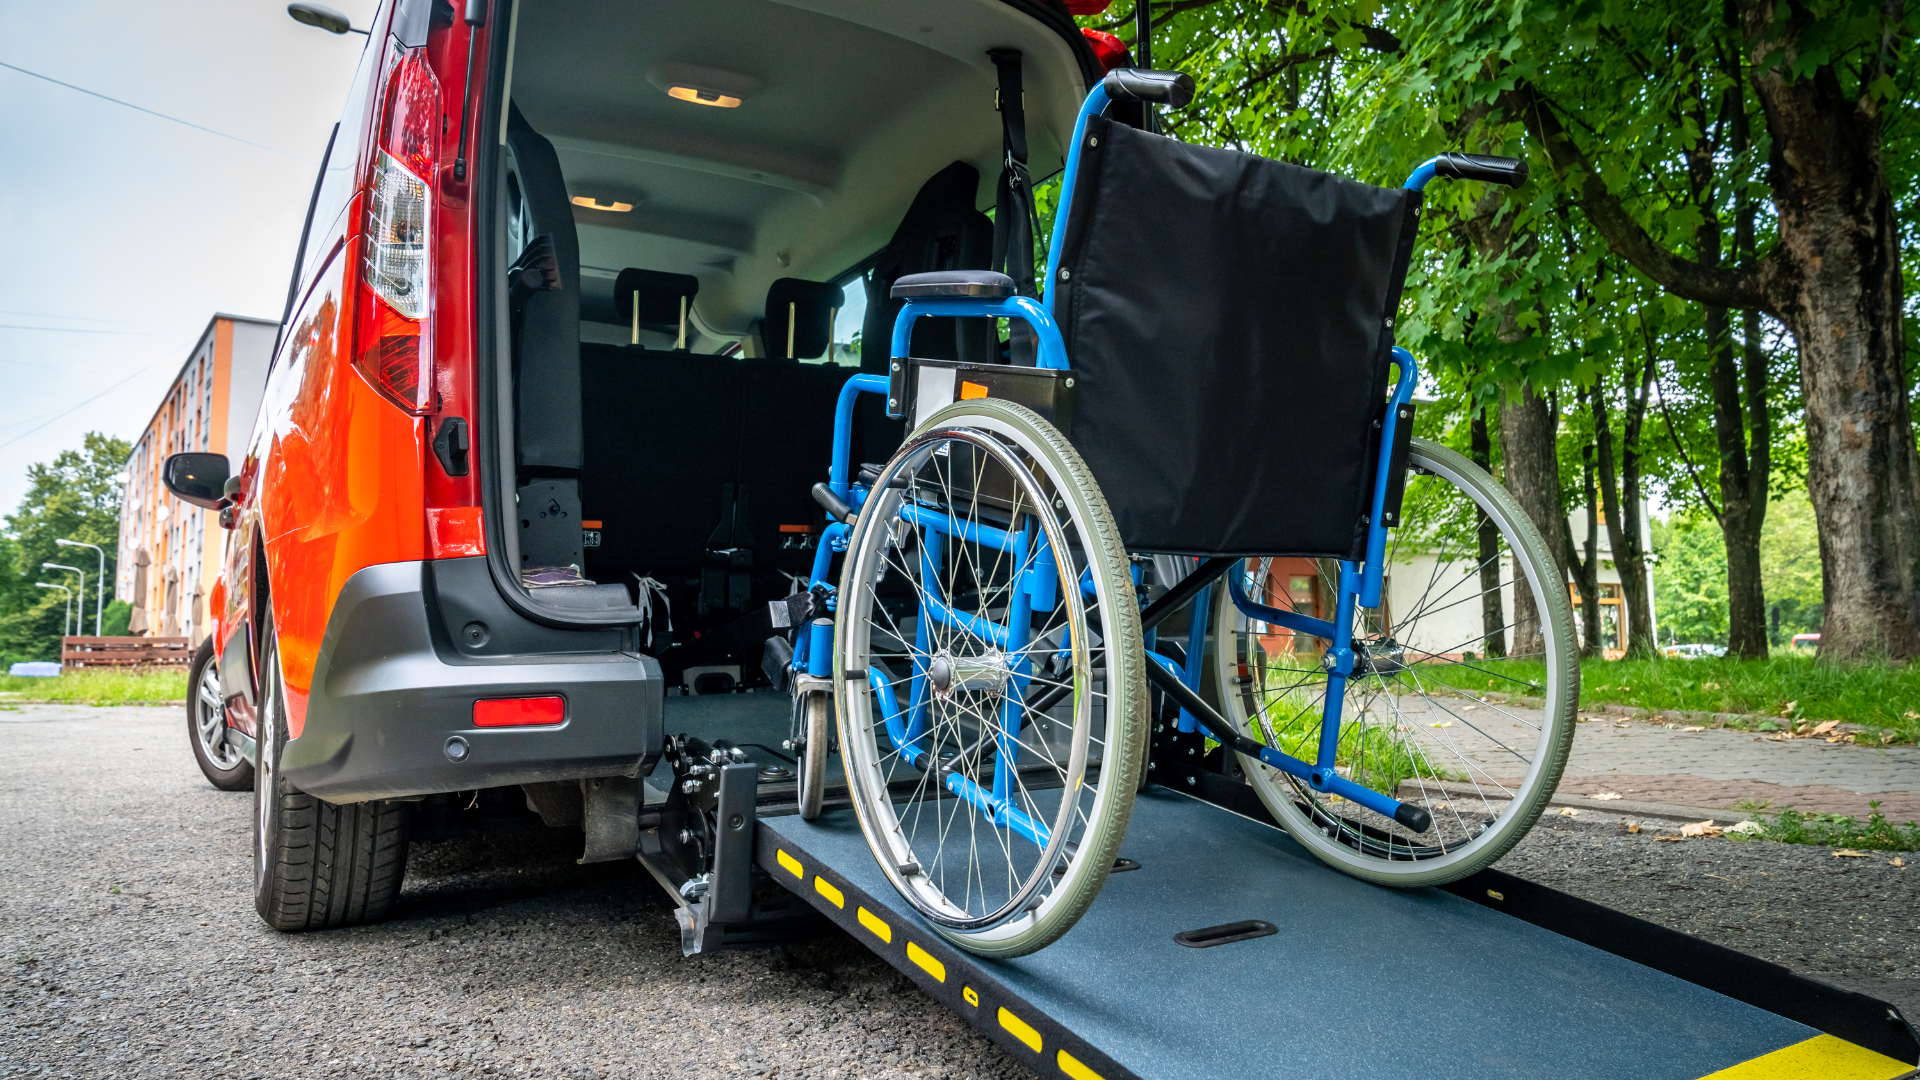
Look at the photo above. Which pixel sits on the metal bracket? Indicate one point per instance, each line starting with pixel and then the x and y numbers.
pixel 728 896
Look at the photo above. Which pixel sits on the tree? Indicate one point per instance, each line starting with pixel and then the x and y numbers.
pixel 1822 72
pixel 76 496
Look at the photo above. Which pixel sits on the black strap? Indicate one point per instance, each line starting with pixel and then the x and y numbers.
pixel 1015 218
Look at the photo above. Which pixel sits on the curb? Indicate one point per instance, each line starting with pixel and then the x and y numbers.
pixel 1663 811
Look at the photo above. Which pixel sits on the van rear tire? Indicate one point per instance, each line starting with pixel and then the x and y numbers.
pixel 317 865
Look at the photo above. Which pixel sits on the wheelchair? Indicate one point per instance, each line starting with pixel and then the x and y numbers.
pixel 1236 398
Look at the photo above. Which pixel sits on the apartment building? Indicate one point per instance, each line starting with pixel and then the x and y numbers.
pixel 169 552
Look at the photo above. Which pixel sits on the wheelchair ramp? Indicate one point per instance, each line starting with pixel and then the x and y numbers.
pixel 1358 983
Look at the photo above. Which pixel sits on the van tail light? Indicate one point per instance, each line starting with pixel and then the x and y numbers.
pixel 391 346
pixel 1108 51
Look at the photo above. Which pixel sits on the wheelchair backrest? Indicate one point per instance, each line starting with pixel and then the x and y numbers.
pixel 1229 319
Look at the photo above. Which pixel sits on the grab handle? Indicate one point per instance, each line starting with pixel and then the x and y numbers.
pixel 1494 170
pixel 1173 88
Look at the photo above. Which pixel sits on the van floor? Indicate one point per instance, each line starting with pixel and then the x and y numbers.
pixel 757 722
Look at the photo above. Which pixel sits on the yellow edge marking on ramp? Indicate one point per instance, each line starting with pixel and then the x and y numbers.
pixel 1020 1028
pixel 1822 1057
pixel 873 922
pixel 927 962
pixel 1073 1067
pixel 790 864
pixel 820 886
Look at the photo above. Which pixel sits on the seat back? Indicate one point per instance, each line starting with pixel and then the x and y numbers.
pixel 664 301
pixel 546 350
pixel 1229 319
pixel 941 231
pixel 676 441
pixel 799 319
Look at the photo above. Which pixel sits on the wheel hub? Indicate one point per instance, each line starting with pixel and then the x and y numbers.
pixel 1383 657
pixel 987 673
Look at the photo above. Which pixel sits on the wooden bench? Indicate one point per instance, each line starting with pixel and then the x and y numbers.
pixel 125 651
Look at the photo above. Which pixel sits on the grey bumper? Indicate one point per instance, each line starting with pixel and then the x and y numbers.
pixel 392 690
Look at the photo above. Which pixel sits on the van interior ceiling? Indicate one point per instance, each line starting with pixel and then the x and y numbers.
pixel 703 205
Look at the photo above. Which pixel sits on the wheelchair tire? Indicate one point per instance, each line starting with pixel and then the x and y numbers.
pixel 1001 863
pixel 813 726
pixel 1448 740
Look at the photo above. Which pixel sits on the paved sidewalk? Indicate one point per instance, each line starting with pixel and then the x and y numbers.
pixel 1650 762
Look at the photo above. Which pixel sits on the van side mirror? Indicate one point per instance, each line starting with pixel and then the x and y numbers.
pixel 321 17
pixel 200 479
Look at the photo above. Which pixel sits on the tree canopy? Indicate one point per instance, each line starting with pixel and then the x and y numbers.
pixel 1701 285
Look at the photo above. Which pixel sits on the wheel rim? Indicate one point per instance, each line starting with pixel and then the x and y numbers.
pixel 210 721
pixel 957 865
pixel 266 765
pixel 1421 721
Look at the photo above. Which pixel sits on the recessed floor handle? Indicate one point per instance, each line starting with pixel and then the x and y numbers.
pixel 1208 936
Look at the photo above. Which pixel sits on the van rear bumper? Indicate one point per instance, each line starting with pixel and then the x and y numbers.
pixel 391 694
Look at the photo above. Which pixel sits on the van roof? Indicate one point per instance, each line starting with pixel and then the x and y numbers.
pixel 846 107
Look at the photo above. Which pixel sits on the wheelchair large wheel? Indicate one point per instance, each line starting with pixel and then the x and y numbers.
pixel 1428 718
pixel 991 698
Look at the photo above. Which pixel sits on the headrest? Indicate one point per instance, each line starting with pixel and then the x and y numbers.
pixel 799 322
pixel 663 301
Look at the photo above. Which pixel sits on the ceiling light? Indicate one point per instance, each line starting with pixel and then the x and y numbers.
pixel 591 203
pixel 703 97
pixel 703 85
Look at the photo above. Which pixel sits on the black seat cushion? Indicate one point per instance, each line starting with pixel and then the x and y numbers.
pixel 983 283
pixel 666 431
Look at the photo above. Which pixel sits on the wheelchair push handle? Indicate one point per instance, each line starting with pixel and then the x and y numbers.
pixel 1173 88
pixel 1494 170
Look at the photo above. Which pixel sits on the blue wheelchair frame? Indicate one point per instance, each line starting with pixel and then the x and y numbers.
pixel 1360 583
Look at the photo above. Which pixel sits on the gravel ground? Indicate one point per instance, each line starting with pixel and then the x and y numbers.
pixel 126 919
pixel 1852 922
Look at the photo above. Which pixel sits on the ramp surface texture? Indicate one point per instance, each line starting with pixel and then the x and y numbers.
pixel 1360 982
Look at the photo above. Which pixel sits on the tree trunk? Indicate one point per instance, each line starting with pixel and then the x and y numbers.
pixel 1493 618
pixel 1743 474
pixel 1533 475
pixel 1584 567
pixel 1530 457
pixel 1741 508
pixel 1839 293
pixel 1623 506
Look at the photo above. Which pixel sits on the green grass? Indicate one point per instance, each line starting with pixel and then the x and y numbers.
pixel 99 686
pixel 1789 688
pixel 1839 831
pixel 1370 752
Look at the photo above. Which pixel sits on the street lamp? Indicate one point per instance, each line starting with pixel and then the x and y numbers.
pixel 81 625
pixel 68 617
pixel 100 592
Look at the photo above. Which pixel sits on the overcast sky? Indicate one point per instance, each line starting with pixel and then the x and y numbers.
pixel 122 233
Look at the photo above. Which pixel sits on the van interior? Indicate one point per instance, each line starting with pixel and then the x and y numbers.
pixel 705 203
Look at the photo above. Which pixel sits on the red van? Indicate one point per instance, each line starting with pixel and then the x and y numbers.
pixel 578 288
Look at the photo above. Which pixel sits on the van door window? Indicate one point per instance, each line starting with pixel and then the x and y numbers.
pixel 340 171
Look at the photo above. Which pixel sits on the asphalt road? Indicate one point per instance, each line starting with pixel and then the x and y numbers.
pixel 133 950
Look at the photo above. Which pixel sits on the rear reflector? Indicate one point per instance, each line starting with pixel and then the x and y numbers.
pixel 519 712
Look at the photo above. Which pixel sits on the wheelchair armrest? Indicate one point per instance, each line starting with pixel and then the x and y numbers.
pixel 1173 88
pixel 984 283
pixel 1494 170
